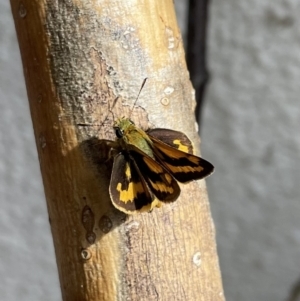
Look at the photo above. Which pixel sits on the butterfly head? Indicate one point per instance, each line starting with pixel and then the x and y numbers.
pixel 122 125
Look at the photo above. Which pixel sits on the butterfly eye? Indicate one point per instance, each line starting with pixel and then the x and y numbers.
pixel 119 132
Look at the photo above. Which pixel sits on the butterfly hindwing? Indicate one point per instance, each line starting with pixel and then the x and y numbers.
pixel 184 166
pixel 128 190
pixel 173 138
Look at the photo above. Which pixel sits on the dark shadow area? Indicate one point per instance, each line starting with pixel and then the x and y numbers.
pixel 196 51
pixel 295 292
pixel 97 154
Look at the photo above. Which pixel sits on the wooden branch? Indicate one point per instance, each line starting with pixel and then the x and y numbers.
pixel 78 56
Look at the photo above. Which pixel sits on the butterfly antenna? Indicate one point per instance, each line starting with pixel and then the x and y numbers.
pixel 114 103
pixel 142 86
pixel 110 111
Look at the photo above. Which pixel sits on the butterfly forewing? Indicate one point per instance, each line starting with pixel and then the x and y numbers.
pixel 185 167
pixel 157 177
pixel 128 190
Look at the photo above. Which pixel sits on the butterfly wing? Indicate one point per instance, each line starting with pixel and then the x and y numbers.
pixel 128 190
pixel 158 179
pixel 184 166
pixel 173 138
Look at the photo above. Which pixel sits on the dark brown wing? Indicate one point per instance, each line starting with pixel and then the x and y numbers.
pixel 173 138
pixel 183 166
pixel 128 190
pixel 157 177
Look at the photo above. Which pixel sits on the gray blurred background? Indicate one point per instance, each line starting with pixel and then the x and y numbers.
pixel 250 131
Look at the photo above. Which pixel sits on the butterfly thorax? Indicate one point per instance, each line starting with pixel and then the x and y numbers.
pixel 128 134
